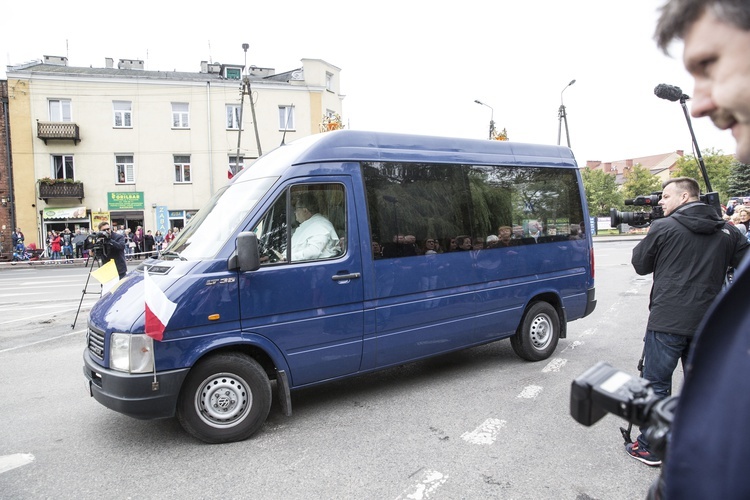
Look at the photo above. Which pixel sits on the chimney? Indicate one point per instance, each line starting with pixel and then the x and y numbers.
pixel 109 62
pixel 56 60
pixel 681 152
pixel 628 163
pixel 593 163
pixel 130 64
pixel 608 167
pixel 204 66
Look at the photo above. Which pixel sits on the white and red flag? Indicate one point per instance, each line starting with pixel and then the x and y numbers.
pixel 159 309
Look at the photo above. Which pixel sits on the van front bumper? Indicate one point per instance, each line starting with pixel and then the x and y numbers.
pixel 133 394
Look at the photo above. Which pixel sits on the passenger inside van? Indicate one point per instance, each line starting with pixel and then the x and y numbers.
pixel 315 238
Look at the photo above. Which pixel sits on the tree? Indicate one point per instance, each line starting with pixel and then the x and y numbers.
pixel 601 191
pixel 738 183
pixel 718 167
pixel 639 181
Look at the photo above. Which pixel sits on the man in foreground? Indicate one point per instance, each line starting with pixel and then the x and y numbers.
pixel 708 451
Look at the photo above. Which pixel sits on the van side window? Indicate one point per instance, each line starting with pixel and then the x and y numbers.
pixel 424 209
pixel 306 222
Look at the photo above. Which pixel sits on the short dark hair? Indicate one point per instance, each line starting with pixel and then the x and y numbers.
pixel 103 223
pixel 678 15
pixel 686 184
pixel 307 200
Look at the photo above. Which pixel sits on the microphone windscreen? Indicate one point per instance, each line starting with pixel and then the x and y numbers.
pixel 668 92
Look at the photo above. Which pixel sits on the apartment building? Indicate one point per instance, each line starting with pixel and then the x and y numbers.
pixel 148 148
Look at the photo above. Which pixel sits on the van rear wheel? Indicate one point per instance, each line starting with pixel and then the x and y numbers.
pixel 537 336
pixel 225 398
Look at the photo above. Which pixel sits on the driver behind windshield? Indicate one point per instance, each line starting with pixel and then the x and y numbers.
pixel 315 238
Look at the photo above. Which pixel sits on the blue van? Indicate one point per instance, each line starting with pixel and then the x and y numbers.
pixel 340 254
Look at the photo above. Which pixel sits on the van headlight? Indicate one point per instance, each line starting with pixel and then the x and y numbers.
pixel 132 353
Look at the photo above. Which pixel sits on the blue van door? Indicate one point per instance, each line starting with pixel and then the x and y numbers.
pixel 308 301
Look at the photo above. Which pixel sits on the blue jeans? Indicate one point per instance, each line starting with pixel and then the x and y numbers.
pixel 661 352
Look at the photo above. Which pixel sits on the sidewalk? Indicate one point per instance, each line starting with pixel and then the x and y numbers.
pixel 25 264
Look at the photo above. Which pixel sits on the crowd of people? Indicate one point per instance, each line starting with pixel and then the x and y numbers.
pixel 405 245
pixel 66 245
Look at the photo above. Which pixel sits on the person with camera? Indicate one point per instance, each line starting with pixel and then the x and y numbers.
pixel 113 247
pixel 689 252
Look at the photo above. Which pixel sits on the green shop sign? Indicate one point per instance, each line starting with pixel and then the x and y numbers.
pixel 125 201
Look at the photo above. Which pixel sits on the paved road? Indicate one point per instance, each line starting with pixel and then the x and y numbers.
pixel 472 425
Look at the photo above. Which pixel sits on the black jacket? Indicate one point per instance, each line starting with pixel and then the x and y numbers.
pixel 114 249
pixel 689 253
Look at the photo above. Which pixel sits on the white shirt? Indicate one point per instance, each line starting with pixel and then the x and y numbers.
pixel 315 238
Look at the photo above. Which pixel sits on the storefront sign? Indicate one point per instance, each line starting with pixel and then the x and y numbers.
pixel 97 217
pixel 162 219
pixel 125 200
pixel 65 213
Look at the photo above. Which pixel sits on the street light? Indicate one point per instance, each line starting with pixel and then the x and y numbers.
pixel 492 117
pixel 561 115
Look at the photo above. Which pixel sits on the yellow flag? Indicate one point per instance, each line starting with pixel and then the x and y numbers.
pixel 107 275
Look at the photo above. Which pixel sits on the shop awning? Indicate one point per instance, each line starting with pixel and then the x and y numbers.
pixel 64 213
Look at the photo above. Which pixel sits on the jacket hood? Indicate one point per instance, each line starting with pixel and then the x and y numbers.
pixel 699 218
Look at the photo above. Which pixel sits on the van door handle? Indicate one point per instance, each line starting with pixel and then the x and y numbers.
pixel 345 277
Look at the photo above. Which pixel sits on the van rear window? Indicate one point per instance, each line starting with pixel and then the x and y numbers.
pixel 419 209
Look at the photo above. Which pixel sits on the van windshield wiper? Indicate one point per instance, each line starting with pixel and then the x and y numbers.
pixel 172 254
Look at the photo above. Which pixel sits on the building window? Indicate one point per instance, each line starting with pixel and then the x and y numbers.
pixel 233 116
pixel 62 167
pixel 286 117
pixel 182 169
pixel 329 81
pixel 123 113
pixel 235 166
pixel 180 115
pixel 60 110
pixel 124 169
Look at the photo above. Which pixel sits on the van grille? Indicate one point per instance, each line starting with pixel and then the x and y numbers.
pixel 95 341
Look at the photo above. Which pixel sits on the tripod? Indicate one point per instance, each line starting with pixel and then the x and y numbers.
pixel 95 257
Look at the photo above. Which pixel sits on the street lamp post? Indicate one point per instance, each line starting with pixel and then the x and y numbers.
pixel 562 116
pixel 492 117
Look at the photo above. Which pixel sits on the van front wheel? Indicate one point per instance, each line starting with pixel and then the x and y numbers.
pixel 225 398
pixel 536 338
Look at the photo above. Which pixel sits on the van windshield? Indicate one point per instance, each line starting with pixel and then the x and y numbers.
pixel 216 222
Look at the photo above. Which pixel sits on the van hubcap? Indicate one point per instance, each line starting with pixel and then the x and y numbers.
pixel 541 331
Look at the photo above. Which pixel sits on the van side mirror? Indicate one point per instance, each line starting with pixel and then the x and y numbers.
pixel 247 252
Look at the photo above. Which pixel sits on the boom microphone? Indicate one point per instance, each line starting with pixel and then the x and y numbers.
pixel 669 92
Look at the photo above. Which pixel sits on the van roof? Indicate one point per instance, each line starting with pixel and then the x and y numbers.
pixel 357 145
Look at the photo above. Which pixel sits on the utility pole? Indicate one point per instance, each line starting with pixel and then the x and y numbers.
pixel 246 90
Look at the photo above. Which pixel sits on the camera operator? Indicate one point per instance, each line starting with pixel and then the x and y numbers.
pixel 689 251
pixel 113 248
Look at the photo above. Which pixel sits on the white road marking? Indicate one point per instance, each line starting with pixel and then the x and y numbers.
pixel 42 341
pixel 430 481
pixel 485 433
pixel 40 315
pixel 530 392
pixel 9 462
pixel 573 345
pixel 554 365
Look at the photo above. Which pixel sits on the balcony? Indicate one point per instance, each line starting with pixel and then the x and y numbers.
pixel 58 131
pixel 60 189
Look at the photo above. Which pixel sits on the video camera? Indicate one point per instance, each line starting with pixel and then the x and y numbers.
pixel 602 389
pixel 644 219
pixel 96 241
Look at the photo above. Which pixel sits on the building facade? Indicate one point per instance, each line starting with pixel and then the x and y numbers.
pixel 7 222
pixel 148 148
pixel 660 165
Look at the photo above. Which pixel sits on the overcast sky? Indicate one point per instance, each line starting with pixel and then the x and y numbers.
pixel 411 65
